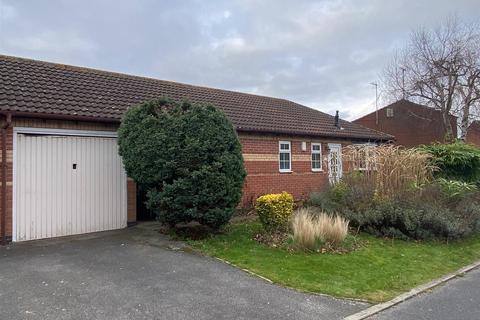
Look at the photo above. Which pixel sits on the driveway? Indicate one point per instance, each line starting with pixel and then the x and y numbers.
pixel 135 274
pixel 457 299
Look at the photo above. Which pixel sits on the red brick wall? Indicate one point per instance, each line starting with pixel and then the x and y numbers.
pixel 263 176
pixel 473 134
pixel 411 124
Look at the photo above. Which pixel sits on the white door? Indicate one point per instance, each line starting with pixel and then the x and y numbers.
pixel 335 168
pixel 67 185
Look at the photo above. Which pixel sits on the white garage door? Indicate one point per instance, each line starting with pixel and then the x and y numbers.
pixel 66 184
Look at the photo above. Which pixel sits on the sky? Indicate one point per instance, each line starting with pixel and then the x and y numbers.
pixel 323 54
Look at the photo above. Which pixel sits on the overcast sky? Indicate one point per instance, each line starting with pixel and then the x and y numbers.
pixel 322 54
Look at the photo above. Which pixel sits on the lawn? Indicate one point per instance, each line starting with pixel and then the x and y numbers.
pixel 378 271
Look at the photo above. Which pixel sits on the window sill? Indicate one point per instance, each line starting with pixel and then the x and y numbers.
pixel 317 170
pixel 285 171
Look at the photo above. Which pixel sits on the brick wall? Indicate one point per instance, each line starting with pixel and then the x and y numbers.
pixel 260 153
pixel 473 134
pixel 411 124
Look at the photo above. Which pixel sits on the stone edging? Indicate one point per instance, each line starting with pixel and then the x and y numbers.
pixel 410 294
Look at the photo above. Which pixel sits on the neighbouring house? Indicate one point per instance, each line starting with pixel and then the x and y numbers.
pixel 473 133
pixel 61 172
pixel 410 123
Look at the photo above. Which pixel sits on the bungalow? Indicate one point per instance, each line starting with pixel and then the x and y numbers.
pixel 61 173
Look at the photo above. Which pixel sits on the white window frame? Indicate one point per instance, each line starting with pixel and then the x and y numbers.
pixel 289 151
pixel 312 152
pixel 369 166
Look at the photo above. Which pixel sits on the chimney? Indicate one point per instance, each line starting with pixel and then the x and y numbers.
pixel 337 122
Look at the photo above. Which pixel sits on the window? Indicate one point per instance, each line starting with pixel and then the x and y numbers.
pixel 389 112
pixel 364 157
pixel 316 157
pixel 285 156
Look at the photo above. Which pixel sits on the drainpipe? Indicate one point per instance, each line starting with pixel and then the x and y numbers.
pixel 6 125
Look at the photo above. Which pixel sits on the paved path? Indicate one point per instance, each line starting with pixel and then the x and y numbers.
pixel 458 299
pixel 131 274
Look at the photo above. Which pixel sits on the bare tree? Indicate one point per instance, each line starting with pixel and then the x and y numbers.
pixel 441 69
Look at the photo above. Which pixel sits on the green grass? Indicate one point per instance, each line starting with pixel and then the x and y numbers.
pixel 378 271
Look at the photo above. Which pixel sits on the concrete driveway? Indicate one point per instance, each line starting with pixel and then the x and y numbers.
pixel 135 274
pixel 457 299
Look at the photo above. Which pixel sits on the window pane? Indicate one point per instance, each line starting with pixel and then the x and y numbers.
pixel 315 147
pixel 284 146
pixel 284 165
pixel 316 161
pixel 285 161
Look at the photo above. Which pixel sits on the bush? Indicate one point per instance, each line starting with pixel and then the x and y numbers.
pixel 311 228
pixel 456 161
pixel 399 198
pixel 187 156
pixel 440 209
pixel 353 193
pixel 274 210
pixel 391 169
pixel 304 231
pixel 454 188
pixel 331 229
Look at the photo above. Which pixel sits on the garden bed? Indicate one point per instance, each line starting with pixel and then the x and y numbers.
pixel 377 271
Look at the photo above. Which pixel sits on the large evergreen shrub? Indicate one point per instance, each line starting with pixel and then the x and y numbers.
pixel 187 156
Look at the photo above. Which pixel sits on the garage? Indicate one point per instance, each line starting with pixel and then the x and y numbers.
pixel 66 182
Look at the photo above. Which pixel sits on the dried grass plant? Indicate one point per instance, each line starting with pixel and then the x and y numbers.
pixel 310 226
pixel 390 169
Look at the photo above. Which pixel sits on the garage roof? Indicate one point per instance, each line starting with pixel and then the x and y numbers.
pixel 31 87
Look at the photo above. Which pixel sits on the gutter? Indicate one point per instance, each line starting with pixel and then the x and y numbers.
pixel 325 135
pixel 61 117
pixel 7 124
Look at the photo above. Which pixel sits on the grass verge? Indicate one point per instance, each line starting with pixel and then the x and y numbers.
pixel 378 271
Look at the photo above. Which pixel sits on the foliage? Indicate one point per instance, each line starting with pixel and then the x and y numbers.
pixel 398 197
pixel 311 229
pixel 440 209
pixel 187 156
pixel 331 229
pixel 392 169
pixel 274 210
pixel 377 271
pixel 455 188
pixel 455 161
pixel 303 228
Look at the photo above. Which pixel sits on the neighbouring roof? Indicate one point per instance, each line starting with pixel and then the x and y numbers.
pixel 408 105
pixel 37 88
